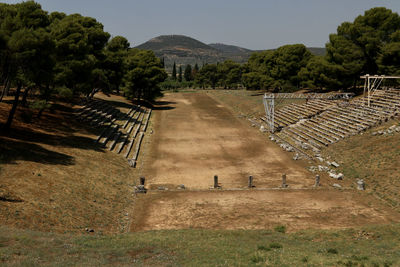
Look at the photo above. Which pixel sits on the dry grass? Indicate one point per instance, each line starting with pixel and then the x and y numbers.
pixel 374 159
pixel 55 178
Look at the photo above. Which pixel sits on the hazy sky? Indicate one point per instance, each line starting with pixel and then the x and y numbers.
pixel 254 24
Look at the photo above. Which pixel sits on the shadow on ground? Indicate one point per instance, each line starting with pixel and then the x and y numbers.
pixel 13 150
pixel 163 105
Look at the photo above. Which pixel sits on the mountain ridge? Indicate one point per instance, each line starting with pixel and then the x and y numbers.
pixel 183 50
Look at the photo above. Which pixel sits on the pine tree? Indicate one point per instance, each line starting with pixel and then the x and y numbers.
pixel 162 63
pixel 180 74
pixel 188 73
pixel 174 72
pixel 195 71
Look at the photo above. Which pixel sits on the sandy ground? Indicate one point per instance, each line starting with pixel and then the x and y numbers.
pixel 196 137
pixel 263 209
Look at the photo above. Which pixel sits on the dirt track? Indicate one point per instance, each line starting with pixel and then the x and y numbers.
pixel 195 138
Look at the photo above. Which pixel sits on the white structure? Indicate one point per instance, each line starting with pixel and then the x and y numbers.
pixel 372 82
pixel 269 102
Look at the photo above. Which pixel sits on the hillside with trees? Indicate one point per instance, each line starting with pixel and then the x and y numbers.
pixel 183 50
pixel 368 45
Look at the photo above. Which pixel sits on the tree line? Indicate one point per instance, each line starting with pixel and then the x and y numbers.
pixel 59 55
pixel 368 45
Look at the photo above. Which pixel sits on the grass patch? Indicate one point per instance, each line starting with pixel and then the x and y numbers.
pixel 280 229
pixel 203 248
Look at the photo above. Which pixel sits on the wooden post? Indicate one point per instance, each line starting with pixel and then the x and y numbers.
pixel 284 185
pixel 250 181
pixel 142 180
pixel 317 178
pixel 216 181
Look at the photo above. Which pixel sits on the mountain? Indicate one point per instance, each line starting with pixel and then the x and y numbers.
pixel 182 50
pixel 185 50
pixel 235 53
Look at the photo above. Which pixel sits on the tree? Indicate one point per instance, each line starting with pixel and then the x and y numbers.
pixel 195 71
pixel 180 74
pixel 174 72
pixel 208 76
pixel 80 43
pixel 113 64
pixel 319 73
pixel 28 50
pixel 143 76
pixel 364 46
pixel 188 73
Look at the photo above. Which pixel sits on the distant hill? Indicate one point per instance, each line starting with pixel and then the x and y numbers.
pixel 182 50
pixel 318 51
pixel 185 50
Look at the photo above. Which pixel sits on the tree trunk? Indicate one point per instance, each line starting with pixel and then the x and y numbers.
pixel 24 96
pixel 7 126
pixel 40 113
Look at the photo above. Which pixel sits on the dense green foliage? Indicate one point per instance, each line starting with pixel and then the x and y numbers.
pixel 369 45
pixel 68 55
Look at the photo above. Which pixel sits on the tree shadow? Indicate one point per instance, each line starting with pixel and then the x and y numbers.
pixel 27 135
pixel 13 150
pixel 163 105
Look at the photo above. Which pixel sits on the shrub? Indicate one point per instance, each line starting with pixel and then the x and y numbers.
pixel 275 245
pixel 280 229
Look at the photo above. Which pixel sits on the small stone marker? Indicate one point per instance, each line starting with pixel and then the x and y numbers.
pixel 142 180
pixel 251 181
pixel 216 181
pixel 361 185
pixel 140 188
pixel 284 184
pixel 317 178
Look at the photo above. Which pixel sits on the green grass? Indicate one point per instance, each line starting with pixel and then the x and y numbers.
pixel 351 247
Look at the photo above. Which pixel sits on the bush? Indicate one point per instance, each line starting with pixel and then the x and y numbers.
pixel 275 245
pixel 332 250
pixel 280 229
pixel 262 247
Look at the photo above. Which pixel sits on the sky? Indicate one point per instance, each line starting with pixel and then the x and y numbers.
pixel 253 24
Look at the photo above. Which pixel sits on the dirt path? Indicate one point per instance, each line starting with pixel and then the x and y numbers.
pixel 197 138
pixel 296 209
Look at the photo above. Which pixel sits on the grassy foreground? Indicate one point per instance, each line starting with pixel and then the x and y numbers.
pixel 367 246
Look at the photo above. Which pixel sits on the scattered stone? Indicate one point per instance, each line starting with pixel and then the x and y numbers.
pixel 287 147
pixel 305 146
pixel 361 185
pixel 323 168
pixel 336 176
pixel 140 189
pixel 313 168
pixel 337 185
pixel 161 188
pixel 181 186
pixel 89 230
pixel 262 129
pixel 297 157
pixel 253 125
pixel 334 164
pixel 320 159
